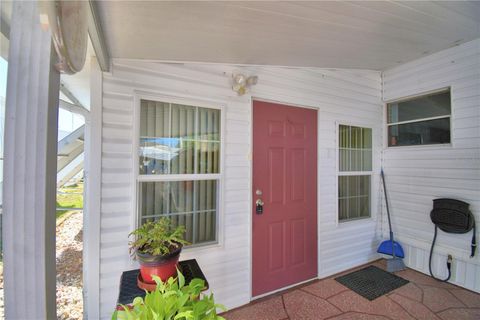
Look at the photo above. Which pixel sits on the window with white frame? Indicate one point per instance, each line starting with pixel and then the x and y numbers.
pixel 354 172
pixel 179 167
pixel 419 120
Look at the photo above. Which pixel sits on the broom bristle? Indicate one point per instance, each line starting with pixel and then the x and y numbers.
pixel 395 264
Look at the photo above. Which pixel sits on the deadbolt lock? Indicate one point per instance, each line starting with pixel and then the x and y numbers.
pixel 259 206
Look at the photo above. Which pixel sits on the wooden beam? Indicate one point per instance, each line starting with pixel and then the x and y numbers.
pixel 4 27
pixel 4 37
pixel 97 38
pixel 74 108
pixel 70 95
pixel 30 168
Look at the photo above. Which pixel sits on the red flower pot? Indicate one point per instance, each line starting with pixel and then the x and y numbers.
pixel 162 266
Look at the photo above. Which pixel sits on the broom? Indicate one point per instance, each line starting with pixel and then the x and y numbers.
pixel 390 247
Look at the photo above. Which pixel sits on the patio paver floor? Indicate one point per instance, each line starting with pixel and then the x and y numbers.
pixel 422 298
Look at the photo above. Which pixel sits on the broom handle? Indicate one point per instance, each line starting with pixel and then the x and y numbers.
pixel 386 203
pixel 388 212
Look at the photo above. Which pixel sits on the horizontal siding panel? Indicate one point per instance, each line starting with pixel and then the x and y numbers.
pixel 437 163
pixel 416 176
pixel 340 264
pixel 117 118
pixel 449 173
pixel 401 92
pixel 235 195
pixel 327 89
pixel 340 95
pixel 433 153
pixel 459 67
pixel 433 191
pixel 439 59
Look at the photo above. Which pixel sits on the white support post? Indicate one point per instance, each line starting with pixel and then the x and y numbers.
pixel 29 190
pixel 91 211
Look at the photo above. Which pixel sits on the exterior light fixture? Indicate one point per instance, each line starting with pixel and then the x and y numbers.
pixel 242 83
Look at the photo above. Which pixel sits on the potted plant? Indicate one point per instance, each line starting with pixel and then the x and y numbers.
pixel 172 300
pixel 157 246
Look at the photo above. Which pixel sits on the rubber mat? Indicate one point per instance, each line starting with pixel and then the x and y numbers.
pixel 371 282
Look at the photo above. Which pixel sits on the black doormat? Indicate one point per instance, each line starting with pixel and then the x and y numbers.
pixel 371 282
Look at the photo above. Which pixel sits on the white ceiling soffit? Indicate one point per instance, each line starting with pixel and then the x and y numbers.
pixel 362 35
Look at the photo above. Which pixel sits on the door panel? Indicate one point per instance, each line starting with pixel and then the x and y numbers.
pixel 285 171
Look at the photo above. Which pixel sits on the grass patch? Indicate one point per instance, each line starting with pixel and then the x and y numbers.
pixel 68 198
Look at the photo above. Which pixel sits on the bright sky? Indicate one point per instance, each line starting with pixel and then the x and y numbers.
pixel 3 77
pixel 67 121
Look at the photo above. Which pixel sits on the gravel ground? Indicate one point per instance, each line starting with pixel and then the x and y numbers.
pixel 69 268
pixel 2 315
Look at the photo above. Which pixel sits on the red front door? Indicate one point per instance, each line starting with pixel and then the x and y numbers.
pixel 285 179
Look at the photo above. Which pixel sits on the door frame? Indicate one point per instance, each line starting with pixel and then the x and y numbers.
pixel 250 184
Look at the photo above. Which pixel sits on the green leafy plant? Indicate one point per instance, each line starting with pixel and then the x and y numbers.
pixel 172 300
pixel 157 237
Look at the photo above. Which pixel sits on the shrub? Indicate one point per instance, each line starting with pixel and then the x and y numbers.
pixel 172 300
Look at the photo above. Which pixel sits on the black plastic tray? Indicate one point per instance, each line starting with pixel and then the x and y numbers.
pixel 128 282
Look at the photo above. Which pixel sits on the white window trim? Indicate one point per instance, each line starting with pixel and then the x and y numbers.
pixel 135 219
pixel 413 97
pixel 339 173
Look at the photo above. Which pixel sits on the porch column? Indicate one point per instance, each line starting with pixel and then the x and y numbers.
pixel 29 188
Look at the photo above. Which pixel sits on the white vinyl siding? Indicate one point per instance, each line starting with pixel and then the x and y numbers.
pixel 416 175
pixel 339 95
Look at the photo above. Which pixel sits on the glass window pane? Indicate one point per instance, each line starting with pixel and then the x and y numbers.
pixel 208 157
pixel 174 137
pixel 343 209
pixel 366 160
pixel 153 199
pixel 181 196
pixel 418 133
pixel 189 203
pixel 182 139
pixel 155 144
pixel 355 148
pixel 367 138
pixel 186 220
pixel 344 159
pixel 208 124
pixel 433 105
pixel 356 136
pixel 344 136
pixel 356 158
pixel 206 198
pixel 342 186
pixel 354 197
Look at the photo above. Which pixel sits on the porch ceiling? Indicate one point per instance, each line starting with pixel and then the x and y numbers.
pixel 361 35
